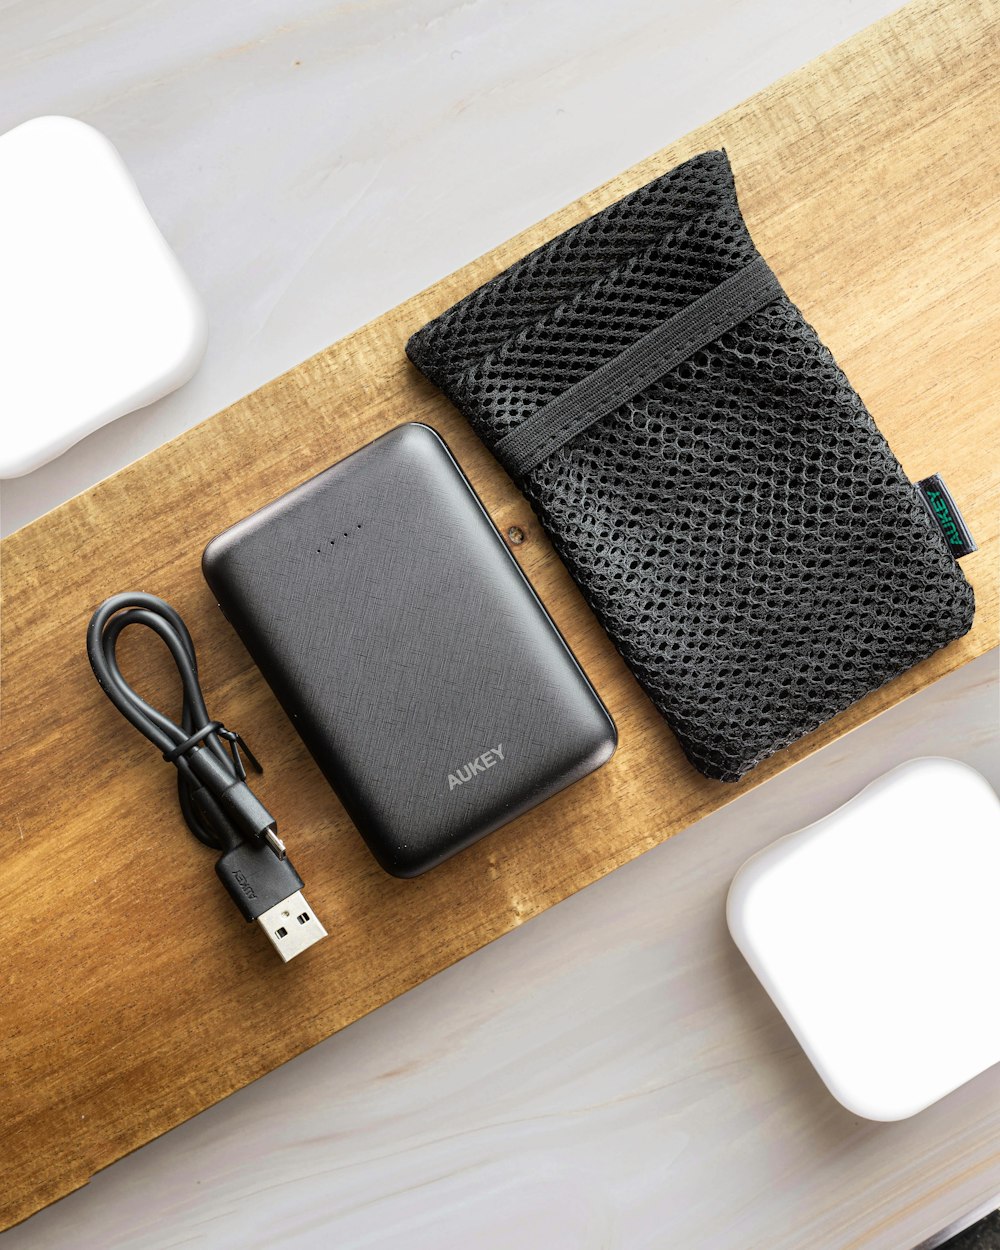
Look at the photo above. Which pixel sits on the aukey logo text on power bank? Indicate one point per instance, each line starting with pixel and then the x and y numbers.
pixel 479 765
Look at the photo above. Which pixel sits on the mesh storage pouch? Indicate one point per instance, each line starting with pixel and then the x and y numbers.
pixel 715 486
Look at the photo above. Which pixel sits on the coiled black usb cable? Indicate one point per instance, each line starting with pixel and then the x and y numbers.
pixel 219 807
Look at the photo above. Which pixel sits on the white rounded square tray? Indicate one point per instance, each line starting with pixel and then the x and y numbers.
pixel 97 317
pixel 876 933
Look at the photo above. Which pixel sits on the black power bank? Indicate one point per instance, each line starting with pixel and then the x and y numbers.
pixel 409 650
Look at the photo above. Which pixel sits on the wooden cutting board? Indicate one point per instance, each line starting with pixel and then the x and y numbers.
pixel 132 994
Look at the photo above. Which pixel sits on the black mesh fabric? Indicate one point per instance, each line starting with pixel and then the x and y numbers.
pixel 740 526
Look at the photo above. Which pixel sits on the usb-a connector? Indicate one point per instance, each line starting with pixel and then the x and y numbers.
pixel 291 926
pixel 267 889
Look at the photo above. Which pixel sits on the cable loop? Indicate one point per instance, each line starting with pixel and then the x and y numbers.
pixel 178 742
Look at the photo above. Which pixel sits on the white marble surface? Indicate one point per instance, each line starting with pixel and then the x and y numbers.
pixel 610 1074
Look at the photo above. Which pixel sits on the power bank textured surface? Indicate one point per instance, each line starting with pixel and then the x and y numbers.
pixel 409 650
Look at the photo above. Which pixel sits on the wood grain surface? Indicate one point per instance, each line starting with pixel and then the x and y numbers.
pixel 133 995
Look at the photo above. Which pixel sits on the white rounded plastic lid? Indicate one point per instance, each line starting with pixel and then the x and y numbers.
pixel 876 933
pixel 97 317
